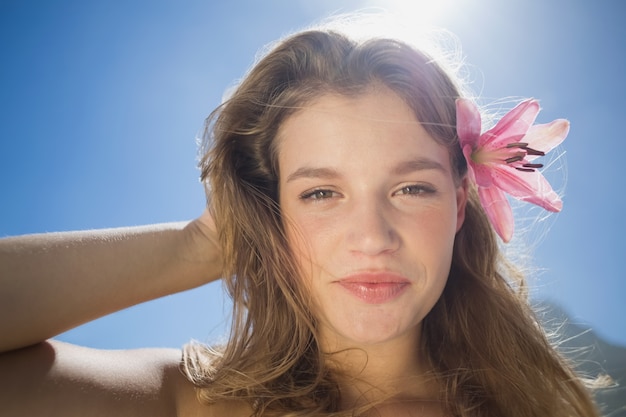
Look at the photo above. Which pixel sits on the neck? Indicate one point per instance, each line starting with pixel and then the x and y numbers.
pixel 393 370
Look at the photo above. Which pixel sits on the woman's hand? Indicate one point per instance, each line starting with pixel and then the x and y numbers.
pixel 203 246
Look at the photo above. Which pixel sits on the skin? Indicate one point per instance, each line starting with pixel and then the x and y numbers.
pixel 366 190
pixel 56 281
pixel 360 215
pixel 40 276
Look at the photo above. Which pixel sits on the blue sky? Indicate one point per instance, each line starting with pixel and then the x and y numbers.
pixel 102 101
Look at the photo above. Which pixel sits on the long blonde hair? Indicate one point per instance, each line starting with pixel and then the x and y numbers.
pixel 488 353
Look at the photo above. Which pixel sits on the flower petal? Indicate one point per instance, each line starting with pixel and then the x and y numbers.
pixel 483 174
pixel 498 158
pixel 547 136
pixel 527 186
pixel 467 153
pixel 468 123
pixel 498 211
pixel 513 125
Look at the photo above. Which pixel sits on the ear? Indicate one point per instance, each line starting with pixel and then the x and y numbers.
pixel 461 202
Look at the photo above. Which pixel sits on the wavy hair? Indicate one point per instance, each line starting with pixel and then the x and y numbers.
pixel 489 355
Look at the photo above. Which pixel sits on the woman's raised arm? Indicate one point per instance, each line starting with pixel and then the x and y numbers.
pixel 50 283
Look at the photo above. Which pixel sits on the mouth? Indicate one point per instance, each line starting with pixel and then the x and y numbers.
pixel 375 288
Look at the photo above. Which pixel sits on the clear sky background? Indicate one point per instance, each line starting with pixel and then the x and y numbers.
pixel 102 101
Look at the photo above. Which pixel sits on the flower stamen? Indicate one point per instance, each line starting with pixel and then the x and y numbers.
pixel 513 159
pixel 524 146
pixel 534 166
pixel 534 152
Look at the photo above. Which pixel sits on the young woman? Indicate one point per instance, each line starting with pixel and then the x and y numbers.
pixel 354 213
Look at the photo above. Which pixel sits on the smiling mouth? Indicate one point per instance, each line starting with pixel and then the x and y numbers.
pixel 375 288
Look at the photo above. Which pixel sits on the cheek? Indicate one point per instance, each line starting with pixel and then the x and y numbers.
pixel 437 231
pixel 303 248
pixel 310 236
pixel 297 238
pixel 313 244
pixel 304 244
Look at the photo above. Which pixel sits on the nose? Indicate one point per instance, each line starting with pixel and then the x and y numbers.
pixel 370 230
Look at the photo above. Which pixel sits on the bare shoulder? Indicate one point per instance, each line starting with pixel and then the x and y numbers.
pixel 188 404
pixel 59 379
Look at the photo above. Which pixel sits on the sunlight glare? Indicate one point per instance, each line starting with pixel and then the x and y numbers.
pixel 424 12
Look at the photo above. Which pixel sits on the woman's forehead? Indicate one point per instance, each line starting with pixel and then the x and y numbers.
pixel 375 106
pixel 373 128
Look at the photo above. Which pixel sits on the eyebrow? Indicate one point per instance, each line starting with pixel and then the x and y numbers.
pixel 419 164
pixel 406 167
pixel 309 172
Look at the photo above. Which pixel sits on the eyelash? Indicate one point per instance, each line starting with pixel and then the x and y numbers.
pixel 318 194
pixel 416 190
pixel 409 190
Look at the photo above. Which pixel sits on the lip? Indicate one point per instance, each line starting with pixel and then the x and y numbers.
pixel 375 288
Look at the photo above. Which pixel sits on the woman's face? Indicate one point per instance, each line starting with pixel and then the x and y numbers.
pixel 371 211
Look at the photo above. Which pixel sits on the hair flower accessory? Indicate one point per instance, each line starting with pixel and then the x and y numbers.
pixel 500 160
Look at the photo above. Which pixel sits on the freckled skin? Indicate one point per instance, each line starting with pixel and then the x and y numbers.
pixel 365 189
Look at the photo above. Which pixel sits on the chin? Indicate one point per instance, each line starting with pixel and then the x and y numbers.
pixel 366 334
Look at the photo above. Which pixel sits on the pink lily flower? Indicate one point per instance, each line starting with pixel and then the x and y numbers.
pixel 500 160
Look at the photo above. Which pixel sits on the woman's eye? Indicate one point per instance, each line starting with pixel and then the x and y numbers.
pixel 317 195
pixel 415 190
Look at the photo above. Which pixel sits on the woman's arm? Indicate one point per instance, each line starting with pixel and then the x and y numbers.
pixel 58 379
pixel 55 379
pixel 52 282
